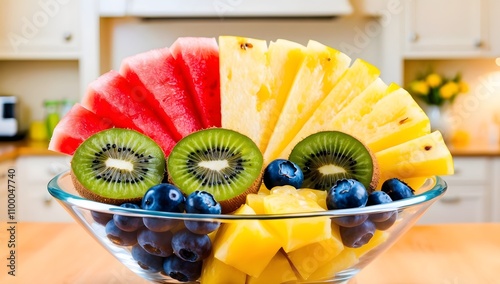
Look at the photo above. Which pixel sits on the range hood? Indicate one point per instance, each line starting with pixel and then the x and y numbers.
pixel 224 8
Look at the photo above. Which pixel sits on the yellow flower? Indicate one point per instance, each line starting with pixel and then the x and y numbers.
pixel 448 90
pixel 434 80
pixel 463 87
pixel 420 87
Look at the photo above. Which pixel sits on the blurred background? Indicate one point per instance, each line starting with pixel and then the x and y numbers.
pixel 51 49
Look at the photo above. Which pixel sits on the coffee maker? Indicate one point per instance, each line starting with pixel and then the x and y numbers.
pixel 10 124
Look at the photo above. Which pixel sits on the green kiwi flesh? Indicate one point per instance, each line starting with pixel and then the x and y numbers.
pixel 223 162
pixel 116 166
pixel 328 156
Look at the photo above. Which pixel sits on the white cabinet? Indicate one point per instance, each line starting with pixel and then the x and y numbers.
pixel 39 29
pixel 446 28
pixel 495 194
pixel 467 199
pixel 34 201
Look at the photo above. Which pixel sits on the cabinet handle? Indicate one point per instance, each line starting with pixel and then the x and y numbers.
pixel 451 200
pixel 478 43
pixel 67 36
pixel 413 37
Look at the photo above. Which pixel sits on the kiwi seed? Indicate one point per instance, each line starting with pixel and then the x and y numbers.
pixel 328 156
pixel 223 162
pixel 116 166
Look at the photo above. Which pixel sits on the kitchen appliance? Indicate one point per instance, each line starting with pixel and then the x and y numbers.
pixel 10 121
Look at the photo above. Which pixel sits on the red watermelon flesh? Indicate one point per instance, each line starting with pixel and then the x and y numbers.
pixel 157 76
pixel 76 126
pixel 199 61
pixel 111 96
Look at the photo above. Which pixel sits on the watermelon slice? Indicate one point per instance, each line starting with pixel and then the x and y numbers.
pixel 76 126
pixel 112 97
pixel 198 58
pixel 157 77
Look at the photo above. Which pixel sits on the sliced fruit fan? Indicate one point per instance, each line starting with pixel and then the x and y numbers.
pixel 275 95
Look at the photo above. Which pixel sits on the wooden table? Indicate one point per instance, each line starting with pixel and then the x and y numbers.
pixel 445 254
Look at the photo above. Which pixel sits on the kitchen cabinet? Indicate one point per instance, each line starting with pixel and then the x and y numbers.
pixel 33 29
pixel 6 166
pixel 467 199
pixel 446 28
pixel 34 201
pixel 495 194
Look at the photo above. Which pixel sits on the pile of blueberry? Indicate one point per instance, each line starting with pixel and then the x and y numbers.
pixel 175 248
pixel 357 230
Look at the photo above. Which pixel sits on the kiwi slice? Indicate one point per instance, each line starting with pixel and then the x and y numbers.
pixel 328 156
pixel 223 162
pixel 116 166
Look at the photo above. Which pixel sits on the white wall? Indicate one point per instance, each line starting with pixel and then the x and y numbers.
pixel 124 37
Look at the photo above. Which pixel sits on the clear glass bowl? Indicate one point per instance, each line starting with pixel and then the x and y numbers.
pixel 319 262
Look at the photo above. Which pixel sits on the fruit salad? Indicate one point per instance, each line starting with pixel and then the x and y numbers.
pixel 242 127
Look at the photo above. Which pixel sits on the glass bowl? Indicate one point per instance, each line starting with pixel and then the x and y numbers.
pixel 287 248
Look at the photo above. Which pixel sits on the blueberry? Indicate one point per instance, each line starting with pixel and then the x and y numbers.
pixel 118 236
pixel 202 202
pixel 355 237
pixel 127 223
pixel 397 189
pixel 190 246
pixel 147 261
pixel 155 243
pixel 180 270
pixel 379 197
pixel 344 194
pixel 162 197
pixel 384 225
pixel 283 172
pixel 350 221
pixel 101 218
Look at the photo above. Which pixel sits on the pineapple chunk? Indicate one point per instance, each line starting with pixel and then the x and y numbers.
pixel 315 194
pixel 256 202
pixel 277 271
pixel 295 233
pixel 215 272
pixel 245 245
pixel 244 84
pixel 345 259
pixel 357 78
pixel 320 71
pixel 308 259
pixel 421 157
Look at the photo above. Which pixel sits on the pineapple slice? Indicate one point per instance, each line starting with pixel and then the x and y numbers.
pixel 361 78
pixel 285 58
pixel 421 157
pixel 395 119
pixel 244 84
pixel 320 71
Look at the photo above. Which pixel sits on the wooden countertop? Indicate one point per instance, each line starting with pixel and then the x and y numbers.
pixel 65 253
pixel 13 149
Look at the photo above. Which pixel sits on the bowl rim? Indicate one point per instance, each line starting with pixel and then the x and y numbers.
pixel 436 188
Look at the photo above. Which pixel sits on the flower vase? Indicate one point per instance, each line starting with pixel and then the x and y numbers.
pixel 438 121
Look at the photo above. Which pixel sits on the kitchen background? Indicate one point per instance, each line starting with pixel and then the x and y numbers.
pixel 51 49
